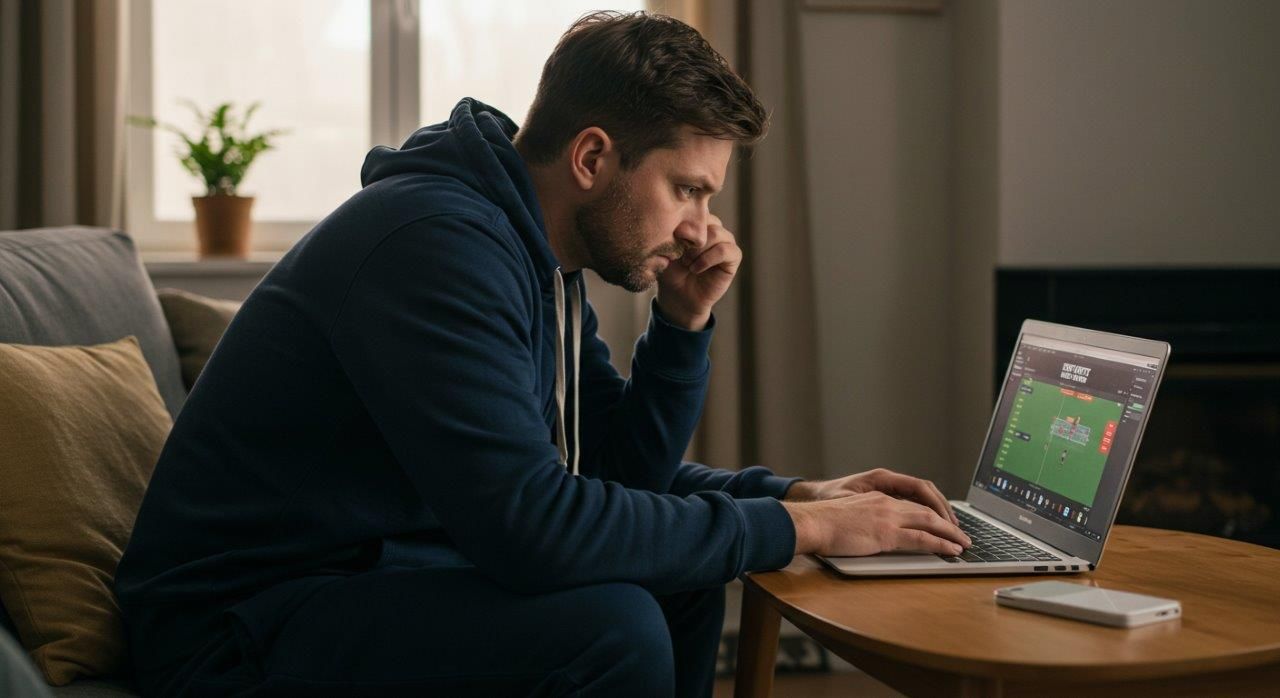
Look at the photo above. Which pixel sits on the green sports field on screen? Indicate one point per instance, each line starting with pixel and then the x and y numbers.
pixel 1059 438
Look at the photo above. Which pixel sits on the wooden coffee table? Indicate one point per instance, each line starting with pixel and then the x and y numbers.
pixel 946 636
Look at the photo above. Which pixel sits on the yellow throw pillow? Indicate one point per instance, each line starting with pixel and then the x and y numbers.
pixel 80 431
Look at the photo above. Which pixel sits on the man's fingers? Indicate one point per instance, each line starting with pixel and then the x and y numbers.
pixel 716 234
pixel 951 514
pixel 926 519
pixel 934 499
pixel 916 539
pixel 716 255
pixel 922 491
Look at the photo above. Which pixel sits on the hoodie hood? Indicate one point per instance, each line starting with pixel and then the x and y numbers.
pixel 474 147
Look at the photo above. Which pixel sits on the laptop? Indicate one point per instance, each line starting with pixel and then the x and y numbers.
pixel 1057 455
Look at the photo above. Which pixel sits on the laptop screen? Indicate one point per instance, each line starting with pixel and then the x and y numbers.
pixel 1065 430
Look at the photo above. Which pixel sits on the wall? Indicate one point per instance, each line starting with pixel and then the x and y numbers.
pixel 1014 132
pixel 878 114
pixel 1139 132
pixel 975 198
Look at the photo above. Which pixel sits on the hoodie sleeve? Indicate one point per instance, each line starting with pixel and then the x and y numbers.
pixel 434 334
pixel 636 431
pixel 748 483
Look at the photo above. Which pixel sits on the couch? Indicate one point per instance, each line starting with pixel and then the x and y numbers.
pixel 87 286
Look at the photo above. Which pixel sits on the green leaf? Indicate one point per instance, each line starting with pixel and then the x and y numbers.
pixel 223 150
pixel 248 113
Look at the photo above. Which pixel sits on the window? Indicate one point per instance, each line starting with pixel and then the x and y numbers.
pixel 339 75
pixel 492 50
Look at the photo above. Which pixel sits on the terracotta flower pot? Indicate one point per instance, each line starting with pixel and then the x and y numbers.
pixel 223 225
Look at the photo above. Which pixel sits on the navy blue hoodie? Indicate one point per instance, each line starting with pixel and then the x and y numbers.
pixel 388 390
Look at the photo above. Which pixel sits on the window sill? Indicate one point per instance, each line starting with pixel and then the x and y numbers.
pixel 188 261
pixel 223 277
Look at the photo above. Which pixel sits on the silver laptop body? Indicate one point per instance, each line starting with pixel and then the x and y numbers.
pixel 1054 464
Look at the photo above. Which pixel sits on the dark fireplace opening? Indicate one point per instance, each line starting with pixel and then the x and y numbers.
pixel 1210 459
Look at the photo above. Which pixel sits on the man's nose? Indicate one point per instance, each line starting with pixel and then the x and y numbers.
pixel 693 232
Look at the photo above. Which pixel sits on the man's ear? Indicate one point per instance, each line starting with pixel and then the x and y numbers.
pixel 592 158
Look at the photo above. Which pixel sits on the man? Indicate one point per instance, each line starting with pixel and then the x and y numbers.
pixel 409 466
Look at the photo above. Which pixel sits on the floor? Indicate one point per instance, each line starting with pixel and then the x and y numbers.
pixel 826 685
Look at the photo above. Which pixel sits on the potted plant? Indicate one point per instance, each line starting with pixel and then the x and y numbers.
pixel 219 156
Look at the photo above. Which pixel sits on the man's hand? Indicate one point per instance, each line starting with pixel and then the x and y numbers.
pixel 870 523
pixel 878 480
pixel 862 515
pixel 691 285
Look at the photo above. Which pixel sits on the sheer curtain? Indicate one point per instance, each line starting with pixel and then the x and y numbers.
pixel 62 88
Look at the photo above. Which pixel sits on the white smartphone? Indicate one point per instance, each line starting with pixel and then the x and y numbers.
pixel 1121 609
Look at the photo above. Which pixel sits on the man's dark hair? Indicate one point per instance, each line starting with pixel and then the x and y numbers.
pixel 640 77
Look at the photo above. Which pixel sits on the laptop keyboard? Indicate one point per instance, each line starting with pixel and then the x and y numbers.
pixel 991 544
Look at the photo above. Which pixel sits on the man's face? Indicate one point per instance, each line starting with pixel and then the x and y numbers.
pixel 649 216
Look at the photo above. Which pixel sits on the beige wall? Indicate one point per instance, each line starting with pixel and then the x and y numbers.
pixel 1016 132
pixel 877 101
pixel 1139 132
pixel 975 197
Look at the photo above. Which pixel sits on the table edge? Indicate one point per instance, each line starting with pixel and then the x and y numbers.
pixel 977 666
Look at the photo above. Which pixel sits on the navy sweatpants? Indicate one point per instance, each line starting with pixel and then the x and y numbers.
pixel 453 632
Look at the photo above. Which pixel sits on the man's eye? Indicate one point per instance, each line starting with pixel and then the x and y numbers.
pixel 688 191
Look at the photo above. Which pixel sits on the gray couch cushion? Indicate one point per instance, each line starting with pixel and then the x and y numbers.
pixel 18 676
pixel 63 286
pixel 84 286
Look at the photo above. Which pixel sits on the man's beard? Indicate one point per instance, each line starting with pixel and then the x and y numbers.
pixel 610 232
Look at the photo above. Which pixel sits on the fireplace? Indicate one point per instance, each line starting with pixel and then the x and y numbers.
pixel 1210 459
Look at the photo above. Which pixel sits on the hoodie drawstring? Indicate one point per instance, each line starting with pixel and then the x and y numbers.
pixel 575 301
